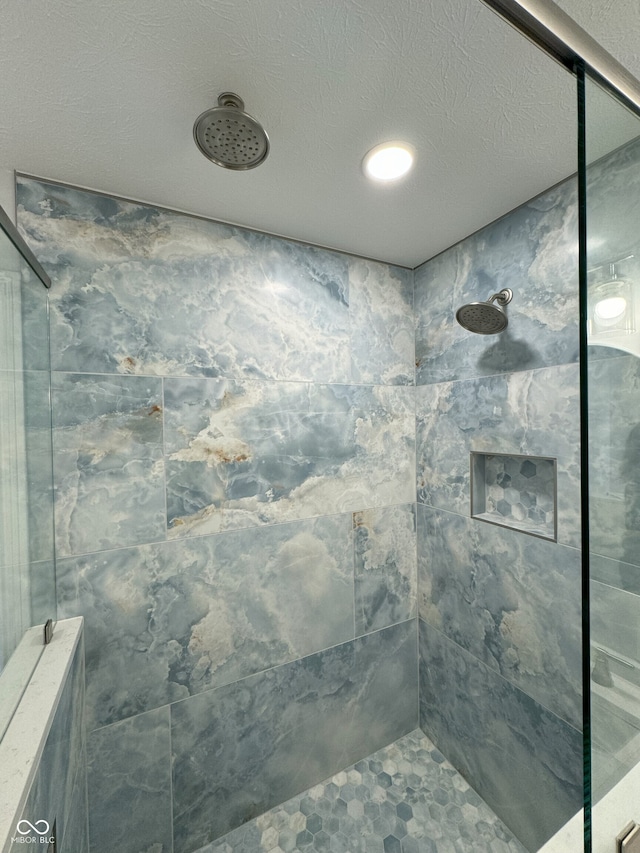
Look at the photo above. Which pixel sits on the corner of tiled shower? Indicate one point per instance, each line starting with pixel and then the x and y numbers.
pixel 231 410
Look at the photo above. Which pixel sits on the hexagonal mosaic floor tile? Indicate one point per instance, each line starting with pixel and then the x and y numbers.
pixel 405 798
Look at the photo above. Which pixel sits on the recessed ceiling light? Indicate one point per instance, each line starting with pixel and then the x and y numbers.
pixel 611 308
pixel 389 161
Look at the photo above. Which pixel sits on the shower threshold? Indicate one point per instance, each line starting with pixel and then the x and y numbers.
pixel 405 798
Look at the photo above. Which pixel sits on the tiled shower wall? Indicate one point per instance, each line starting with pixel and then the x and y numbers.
pixel 500 670
pixel 234 427
pixel 234 436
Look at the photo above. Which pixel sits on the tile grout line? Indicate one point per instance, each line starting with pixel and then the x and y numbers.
pixel 164 463
pixel 272 668
pixel 231 530
pixel 502 677
pixel 171 815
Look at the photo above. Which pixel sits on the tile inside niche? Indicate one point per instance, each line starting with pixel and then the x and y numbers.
pixel 515 491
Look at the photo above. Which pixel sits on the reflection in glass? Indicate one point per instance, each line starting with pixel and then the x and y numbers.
pixel 612 149
pixel 27 578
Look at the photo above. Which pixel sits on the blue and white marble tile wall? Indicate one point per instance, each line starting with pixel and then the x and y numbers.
pixel 108 461
pixel 533 251
pixel 499 609
pixel 142 290
pixel 242 749
pixel 525 762
pixel 530 412
pixel 169 620
pixel 234 427
pixel 510 599
pixel 255 453
pixel 385 567
pixel 128 770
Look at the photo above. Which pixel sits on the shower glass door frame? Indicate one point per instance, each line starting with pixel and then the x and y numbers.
pixel 608 122
pixel 609 267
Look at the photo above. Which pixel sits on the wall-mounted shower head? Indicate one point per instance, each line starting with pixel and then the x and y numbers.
pixel 485 318
pixel 229 137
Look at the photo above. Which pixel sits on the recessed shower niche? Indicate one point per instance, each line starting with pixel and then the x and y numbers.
pixel 515 491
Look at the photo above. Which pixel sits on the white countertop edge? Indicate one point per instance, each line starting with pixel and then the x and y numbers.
pixel 614 811
pixel 23 742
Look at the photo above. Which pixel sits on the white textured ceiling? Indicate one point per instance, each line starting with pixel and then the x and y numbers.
pixel 104 94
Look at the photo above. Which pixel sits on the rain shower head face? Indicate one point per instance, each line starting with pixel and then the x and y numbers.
pixel 485 318
pixel 229 137
pixel 482 318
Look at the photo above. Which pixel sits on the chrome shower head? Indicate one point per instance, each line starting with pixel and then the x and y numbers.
pixel 229 137
pixel 485 318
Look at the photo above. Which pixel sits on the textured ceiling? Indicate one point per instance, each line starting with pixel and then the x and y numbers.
pixel 104 95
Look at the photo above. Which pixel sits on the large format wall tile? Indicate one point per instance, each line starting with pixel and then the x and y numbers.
pixel 169 620
pixel 406 796
pixel 250 453
pixel 510 599
pixel 524 761
pixel 142 290
pixel 533 251
pixel 381 312
pixel 129 770
pixel 241 749
pixel 385 566
pixel 532 412
pixel 42 590
pixel 108 463
pixel 76 831
pixel 33 305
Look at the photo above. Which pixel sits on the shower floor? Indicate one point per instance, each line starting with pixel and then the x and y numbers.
pixel 405 798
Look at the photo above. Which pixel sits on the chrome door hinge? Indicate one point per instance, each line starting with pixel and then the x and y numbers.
pixel 628 840
pixel 48 631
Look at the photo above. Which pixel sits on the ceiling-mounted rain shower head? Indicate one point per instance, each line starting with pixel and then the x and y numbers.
pixel 485 318
pixel 229 137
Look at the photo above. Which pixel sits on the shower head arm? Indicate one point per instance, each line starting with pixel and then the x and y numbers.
pixel 230 99
pixel 503 297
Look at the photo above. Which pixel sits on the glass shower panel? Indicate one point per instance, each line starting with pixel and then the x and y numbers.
pixel 27 576
pixel 612 315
